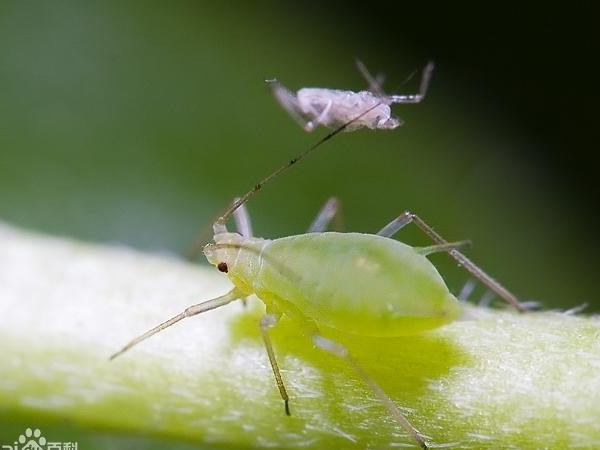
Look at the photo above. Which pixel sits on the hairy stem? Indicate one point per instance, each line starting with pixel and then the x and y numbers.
pixel 492 380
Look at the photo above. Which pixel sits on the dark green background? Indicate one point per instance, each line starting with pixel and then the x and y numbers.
pixel 136 122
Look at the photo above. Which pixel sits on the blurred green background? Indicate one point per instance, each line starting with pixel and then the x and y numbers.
pixel 136 122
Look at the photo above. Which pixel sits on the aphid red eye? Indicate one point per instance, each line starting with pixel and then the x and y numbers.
pixel 222 266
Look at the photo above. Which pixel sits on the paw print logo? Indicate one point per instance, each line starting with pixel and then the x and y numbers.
pixel 32 440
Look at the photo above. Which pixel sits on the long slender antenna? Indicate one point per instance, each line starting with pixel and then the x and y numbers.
pixel 226 214
pixel 258 186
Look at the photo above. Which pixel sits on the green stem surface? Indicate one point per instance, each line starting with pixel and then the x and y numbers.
pixel 491 380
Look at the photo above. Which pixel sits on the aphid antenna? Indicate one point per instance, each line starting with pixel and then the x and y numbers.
pixel 222 220
pixel 219 225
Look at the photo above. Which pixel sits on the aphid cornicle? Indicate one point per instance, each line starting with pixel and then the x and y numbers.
pixel 360 284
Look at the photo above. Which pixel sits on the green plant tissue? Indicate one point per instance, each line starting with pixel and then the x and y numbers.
pixel 494 379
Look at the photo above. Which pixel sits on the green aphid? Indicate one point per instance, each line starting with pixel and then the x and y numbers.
pixel 359 284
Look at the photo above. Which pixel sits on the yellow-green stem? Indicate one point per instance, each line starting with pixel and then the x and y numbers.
pixel 491 380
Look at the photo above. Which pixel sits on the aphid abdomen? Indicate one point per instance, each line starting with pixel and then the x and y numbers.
pixel 357 283
pixel 335 108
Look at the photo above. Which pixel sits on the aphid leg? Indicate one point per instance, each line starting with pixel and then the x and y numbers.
pixel 374 82
pixel 466 290
pixel 193 310
pixel 441 247
pixel 342 352
pixel 486 299
pixel 321 119
pixel 269 321
pixel 329 211
pixel 288 101
pixel 415 98
pixel 258 186
pixel 408 217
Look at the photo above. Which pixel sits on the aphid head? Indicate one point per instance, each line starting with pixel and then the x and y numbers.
pixel 237 256
pixel 224 252
pixel 377 115
pixel 388 123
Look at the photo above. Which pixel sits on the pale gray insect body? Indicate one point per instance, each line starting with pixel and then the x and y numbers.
pixel 335 108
